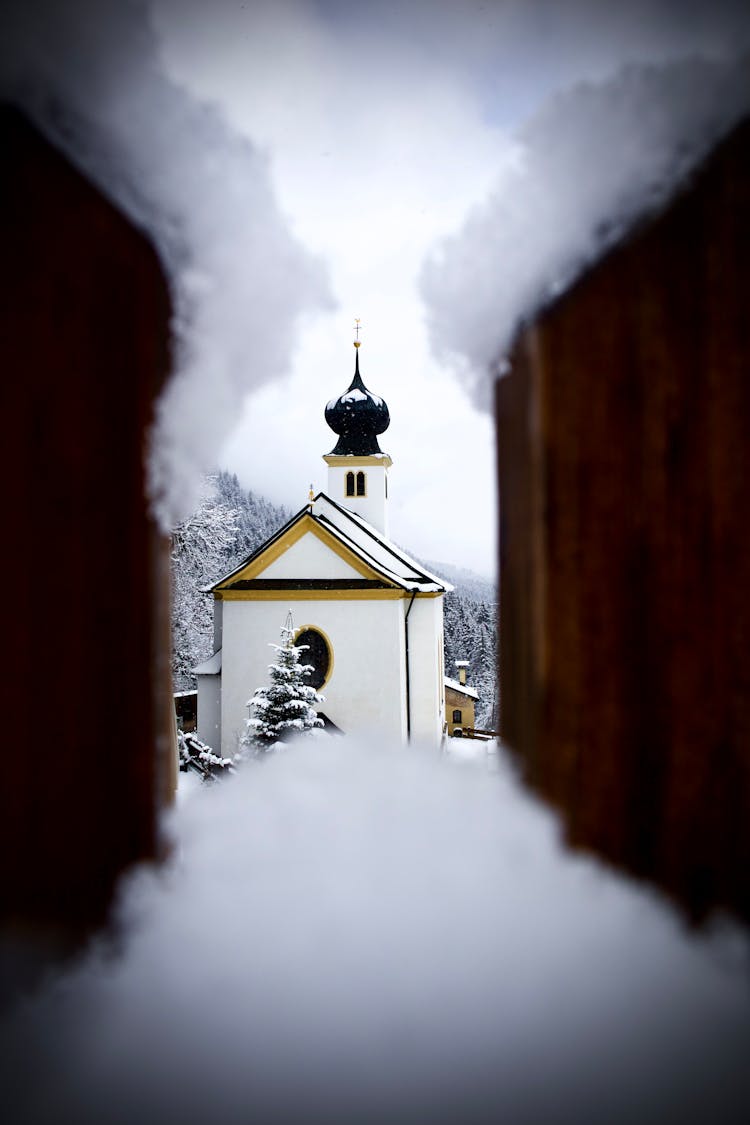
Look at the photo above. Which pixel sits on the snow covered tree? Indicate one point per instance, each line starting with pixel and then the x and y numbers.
pixel 287 706
pixel 228 524
pixel 199 551
pixel 470 616
pixel 257 518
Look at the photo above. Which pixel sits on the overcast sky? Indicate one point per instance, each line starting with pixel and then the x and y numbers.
pixel 384 125
pixel 375 149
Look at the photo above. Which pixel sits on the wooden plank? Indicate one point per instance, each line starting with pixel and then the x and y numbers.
pixel 85 347
pixel 624 463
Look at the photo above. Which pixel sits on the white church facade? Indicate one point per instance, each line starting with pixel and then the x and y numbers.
pixel 372 617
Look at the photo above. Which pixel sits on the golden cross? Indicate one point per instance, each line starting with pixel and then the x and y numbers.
pixel 356 329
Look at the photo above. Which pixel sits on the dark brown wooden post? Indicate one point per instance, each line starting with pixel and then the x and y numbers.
pixel 624 466
pixel 86 722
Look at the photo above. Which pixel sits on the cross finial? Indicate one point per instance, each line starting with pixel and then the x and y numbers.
pixel 356 329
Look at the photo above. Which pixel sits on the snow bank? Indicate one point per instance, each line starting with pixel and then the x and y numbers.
pixel 351 933
pixel 89 72
pixel 590 163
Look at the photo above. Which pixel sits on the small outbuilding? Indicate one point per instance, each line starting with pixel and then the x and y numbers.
pixel 460 703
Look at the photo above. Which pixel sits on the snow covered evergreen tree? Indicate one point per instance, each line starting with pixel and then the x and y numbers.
pixel 199 550
pixel 257 518
pixel 287 706
pixel 470 627
pixel 228 524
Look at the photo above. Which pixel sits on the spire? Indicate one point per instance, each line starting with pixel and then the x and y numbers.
pixel 357 380
pixel 358 415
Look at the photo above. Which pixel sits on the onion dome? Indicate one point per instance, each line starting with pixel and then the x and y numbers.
pixel 357 416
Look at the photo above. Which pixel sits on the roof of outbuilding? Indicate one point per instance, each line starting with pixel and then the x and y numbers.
pixel 210 667
pixel 464 689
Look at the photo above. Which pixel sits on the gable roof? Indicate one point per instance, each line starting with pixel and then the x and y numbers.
pixel 380 563
pixel 462 689
pixel 210 667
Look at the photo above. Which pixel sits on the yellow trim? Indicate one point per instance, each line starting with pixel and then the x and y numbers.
pixel 327 639
pixel 293 535
pixel 305 595
pixel 317 595
pixel 308 525
pixel 344 461
pixel 271 554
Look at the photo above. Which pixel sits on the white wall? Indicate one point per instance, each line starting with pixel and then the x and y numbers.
pixel 309 558
pixel 373 507
pixel 218 623
pixel 426 671
pixel 367 641
pixel 209 710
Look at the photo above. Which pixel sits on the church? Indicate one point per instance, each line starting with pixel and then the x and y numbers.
pixel 372 617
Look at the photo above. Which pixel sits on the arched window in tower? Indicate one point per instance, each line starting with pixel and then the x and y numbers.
pixel 350 484
pixel 361 484
pixel 316 653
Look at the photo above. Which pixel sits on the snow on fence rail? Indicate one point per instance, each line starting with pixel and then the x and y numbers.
pixel 198 757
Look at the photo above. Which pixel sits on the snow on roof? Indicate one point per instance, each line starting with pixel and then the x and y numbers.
pixel 375 548
pixel 382 456
pixel 363 540
pixel 463 688
pixel 210 667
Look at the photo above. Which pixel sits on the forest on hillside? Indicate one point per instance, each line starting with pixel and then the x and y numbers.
pixel 231 522
pixel 470 632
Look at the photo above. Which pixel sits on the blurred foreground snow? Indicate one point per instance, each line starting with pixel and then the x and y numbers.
pixel 352 932
pixel 594 160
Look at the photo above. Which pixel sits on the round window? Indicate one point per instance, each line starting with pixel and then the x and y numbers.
pixel 316 653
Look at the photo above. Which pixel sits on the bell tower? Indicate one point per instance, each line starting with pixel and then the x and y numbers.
pixel 357 467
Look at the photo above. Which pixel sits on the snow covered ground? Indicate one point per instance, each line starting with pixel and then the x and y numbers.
pixel 474 750
pixel 355 933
